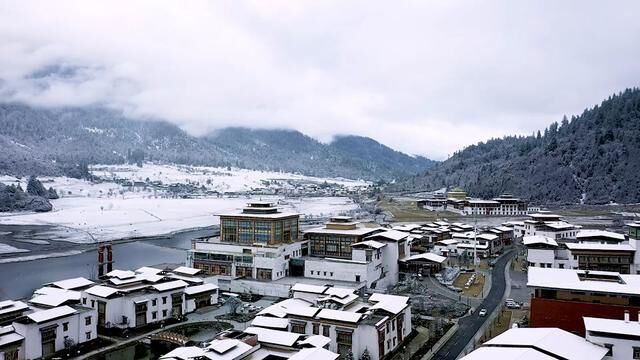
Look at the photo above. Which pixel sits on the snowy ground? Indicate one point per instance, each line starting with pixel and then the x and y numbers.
pixel 89 212
pixel 219 179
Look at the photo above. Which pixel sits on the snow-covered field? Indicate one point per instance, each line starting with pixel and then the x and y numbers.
pixel 86 213
pixel 219 179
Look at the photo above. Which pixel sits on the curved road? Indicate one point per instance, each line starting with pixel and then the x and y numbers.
pixel 469 325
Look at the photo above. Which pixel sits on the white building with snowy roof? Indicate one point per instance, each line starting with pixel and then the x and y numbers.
pixel 621 337
pixel 379 324
pixel 537 344
pixel 130 299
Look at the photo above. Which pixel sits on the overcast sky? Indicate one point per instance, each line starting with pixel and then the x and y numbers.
pixel 424 77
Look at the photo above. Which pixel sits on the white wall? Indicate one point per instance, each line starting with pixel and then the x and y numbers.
pixel 118 307
pixel 622 349
pixel 537 256
pixel 76 331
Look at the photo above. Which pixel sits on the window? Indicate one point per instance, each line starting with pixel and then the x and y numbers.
pixel 394 341
pixel 331 273
pixel 84 301
pixel 636 353
pixel 325 330
pixel 357 278
pixel 316 329
pixel 344 340
pixel 88 335
pixel 93 303
pixel 298 327
pixel 154 302
pixel 87 320
pixel 164 313
pixel 164 300
pixel 610 348
pixel 154 315
pixel 65 326
pixel 389 344
pixel 387 328
pixel 393 324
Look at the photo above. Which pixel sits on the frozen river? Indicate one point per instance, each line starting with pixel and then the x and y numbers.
pixel 19 279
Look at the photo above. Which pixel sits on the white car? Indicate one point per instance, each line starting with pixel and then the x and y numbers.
pixel 482 313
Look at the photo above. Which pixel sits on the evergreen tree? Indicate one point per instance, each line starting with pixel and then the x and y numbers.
pixel 34 187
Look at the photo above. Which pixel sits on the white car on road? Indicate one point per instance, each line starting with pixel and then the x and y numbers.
pixel 482 313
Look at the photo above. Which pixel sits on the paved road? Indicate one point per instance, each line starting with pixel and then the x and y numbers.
pixel 469 325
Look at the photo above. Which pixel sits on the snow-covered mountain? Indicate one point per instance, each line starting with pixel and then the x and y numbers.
pixel 63 141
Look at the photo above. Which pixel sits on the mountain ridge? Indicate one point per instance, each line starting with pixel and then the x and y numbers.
pixel 592 158
pixel 57 141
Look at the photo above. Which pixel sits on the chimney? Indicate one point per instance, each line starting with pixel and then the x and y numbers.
pixel 626 316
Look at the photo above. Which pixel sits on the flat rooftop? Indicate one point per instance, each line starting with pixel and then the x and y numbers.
pixel 600 247
pixel 358 231
pixel 581 280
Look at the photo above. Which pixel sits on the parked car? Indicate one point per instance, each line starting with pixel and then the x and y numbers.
pixel 482 313
pixel 513 305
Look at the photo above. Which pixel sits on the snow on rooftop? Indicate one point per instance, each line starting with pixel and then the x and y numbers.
pixel 101 291
pixel 51 314
pixel 503 228
pixel 551 340
pixel 171 285
pixel 276 337
pixel 148 270
pixel 186 278
pixel 567 279
pixel 489 237
pixel 448 242
pixel 560 225
pixel 290 306
pixel 270 322
pixel 426 256
pixel 612 326
pixel 370 243
pixel 511 353
pixel 538 239
pixel 121 274
pixel 390 303
pixel 316 353
pixel 192 290
pixel 10 337
pixel 316 341
pixel 184 353
pixel 339 291
pixel 50 296
pixel 601 247
pixel 358 231
pixel 308 288
pixel 74 283
pixel 186 270
pixel 599 233
pixel 8 306
pixel 394 235
pixel 338 315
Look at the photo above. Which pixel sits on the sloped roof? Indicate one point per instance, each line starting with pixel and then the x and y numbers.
pixel 51 314
pixel 74 283
pixel 426 256
pixel 552 340
pixel 539 239
pixel 393 235
pixel 276 337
